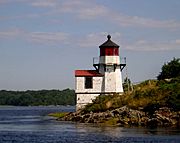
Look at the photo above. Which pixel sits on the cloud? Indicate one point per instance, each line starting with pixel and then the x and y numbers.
pixel 54 38
pixel 12 1
pixel 91 10
pixel 86 10
pixel 44 3
pixel 91 13
pixel 5 1
pixel 81 9
pixel 48 37
pixel 136 21
pixel 12 33
pixel 20 17
pixel 36 37
pixel 96 39
pixel 177 41
pixel 143 45
pixel 87 41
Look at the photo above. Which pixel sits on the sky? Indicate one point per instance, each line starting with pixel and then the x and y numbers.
pixel 42 42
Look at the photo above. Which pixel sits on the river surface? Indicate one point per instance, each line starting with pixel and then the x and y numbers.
pixel 32 125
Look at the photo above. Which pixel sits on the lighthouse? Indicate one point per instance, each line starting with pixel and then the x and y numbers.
pixel 105 79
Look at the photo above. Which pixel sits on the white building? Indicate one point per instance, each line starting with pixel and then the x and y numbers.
pixel 105 79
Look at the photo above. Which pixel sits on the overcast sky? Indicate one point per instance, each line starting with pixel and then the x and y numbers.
pixel 42 42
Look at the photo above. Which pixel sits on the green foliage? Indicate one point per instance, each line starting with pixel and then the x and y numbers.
pixel 170 70
pixel 147 96
pixel 98 104
pixel 35 98
pixel 58 114
pixel 112 121
pixel 106 102
pixel 172 90
pixel 155 94
pixel 127 85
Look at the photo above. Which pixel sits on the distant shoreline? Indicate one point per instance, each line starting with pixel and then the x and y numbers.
pixel 37 98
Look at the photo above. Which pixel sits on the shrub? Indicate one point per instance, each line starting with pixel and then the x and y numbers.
pixel 170 69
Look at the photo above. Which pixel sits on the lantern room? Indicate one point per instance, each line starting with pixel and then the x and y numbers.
pixel 109 48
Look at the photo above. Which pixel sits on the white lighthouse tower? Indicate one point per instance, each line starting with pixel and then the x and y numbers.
pixel 105 79
pixel 110 67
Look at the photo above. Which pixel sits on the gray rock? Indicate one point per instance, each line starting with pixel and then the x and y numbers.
pixel 126 116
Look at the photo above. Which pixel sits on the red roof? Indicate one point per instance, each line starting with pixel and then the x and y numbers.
pixel 87 73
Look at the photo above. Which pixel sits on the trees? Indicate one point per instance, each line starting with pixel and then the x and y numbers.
pixel 170 70
pixel 34 98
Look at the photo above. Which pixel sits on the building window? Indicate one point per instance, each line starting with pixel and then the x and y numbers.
pixel 88 82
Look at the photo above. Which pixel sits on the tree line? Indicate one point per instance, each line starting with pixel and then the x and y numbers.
pixel 35 98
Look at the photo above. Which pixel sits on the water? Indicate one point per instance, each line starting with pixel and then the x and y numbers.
pixel 32 125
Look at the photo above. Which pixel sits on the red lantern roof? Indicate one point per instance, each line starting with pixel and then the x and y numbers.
pixel 109 43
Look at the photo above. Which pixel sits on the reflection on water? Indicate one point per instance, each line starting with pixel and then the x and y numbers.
pixel 32 125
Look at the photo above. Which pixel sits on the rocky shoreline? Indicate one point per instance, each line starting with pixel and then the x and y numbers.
pixel 124 116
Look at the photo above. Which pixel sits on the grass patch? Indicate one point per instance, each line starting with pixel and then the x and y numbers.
pixel 112 121
pixel 147 96
pixel 58 114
